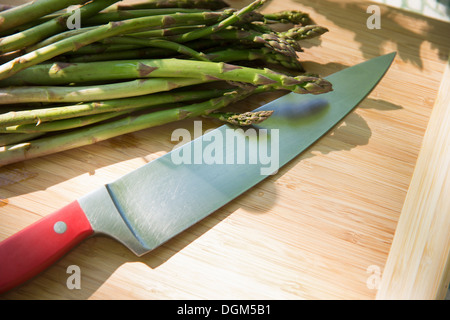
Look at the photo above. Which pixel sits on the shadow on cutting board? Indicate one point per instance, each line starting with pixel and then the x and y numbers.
pixel 407 30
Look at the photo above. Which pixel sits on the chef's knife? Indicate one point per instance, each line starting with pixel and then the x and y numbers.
pixel 152 204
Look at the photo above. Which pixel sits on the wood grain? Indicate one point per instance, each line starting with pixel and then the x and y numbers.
pixel 322 228
pixel 418 263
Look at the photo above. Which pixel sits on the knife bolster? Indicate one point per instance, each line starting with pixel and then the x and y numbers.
pixel 107 220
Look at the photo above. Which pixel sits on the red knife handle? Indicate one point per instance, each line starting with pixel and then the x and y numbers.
pixel 35 248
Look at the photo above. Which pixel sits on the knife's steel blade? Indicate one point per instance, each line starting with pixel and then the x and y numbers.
pixel 165 197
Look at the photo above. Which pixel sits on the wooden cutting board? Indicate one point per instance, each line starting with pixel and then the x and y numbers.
pixel 322 228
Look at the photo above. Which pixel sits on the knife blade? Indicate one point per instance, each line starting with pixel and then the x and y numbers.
pixel 150 205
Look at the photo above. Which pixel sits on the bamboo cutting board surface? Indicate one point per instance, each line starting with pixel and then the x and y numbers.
pixel 321 228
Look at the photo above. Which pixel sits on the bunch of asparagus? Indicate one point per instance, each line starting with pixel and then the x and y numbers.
pixel 127 68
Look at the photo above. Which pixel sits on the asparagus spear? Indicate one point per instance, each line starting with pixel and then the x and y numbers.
pixel 14 138
pixel 288 16
pixel 138 53
pixel 92 134
pixel 117 90
pixel 105 17
pixel 99 47
pixel 150 4
pixel 63 73
pixel 32 35
pixel 41 116
pixel 32 10
pixel 57 37
pixel 303 32
pixel 60 125
pixel 158 43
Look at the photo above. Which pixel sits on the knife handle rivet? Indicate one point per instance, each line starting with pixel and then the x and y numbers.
pixel 60 227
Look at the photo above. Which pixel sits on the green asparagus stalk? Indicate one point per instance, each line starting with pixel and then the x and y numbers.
pixel 65 124
pixel 14 138
pixel 159 43
pixel 150 4
pixel 57 37
pixel 157 33
pixel 111 29
pixel 105 17
pixel 241 119
pixel 63 73
pixel 89 135
pixel 263 54
pixel 97 47
pixel 41 116
pixel 137 53
pixel 117 90
pixel 31 36
pixel 30 11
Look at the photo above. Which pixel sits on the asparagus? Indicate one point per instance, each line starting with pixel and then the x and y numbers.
pixel 278 42
pixel 30 11
pixel 288 16
pixel 115 28
pixel 60 125
pixel 117 90
pixel 105 17
pixel 149 33
pixel 98 47
pixel 111 29
pixel 150 4
pixel 112 97
pixel 119 55
pixel 159 43
pixel 270 40
pixel 234 18
pixel 63 73
pixel 241 119
pixel 138 53
pixel 13 138
pixel 303 32
pixel 40 116
pixel 92 134
pixel 263 54
pixel 32 35
pixel 165 32
pixel 57 37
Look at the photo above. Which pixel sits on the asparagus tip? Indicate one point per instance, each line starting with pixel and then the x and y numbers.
pixel 242 119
